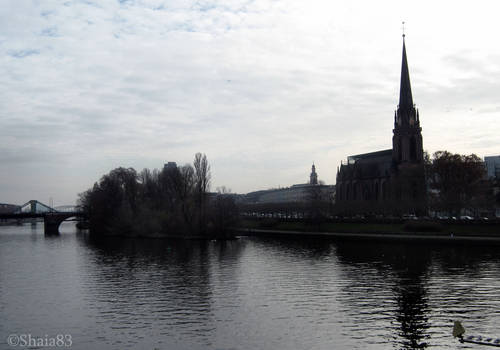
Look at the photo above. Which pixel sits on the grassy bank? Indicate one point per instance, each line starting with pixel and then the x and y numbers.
pixel 437 228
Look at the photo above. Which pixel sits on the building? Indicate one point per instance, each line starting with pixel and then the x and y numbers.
pixel 313 178
pixel 391 180
pixel 299 193
pixel 170 165
pixel 493 166
pixel 493 170
pixel 8 208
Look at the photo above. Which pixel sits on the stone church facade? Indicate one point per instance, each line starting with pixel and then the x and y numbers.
pixel 390 181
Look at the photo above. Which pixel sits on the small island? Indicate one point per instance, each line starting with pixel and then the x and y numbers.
pixel 172 202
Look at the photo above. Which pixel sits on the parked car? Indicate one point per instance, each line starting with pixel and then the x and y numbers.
pixel 410 217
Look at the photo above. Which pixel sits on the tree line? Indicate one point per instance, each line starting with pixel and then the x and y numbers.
pixel 173 201
pixel 458 184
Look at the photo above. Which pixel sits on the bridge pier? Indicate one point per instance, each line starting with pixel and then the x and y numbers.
pixel 51 224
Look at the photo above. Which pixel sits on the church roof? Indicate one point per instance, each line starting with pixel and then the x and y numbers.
pixel 372 156
pixel 366 166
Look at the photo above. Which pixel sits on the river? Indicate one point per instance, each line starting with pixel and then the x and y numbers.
pixel 250 293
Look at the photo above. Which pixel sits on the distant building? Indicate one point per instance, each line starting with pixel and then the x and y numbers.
pixel 493 170
pixel 298 193
pixel 493 166
pixel 170 165
pixel 391 180
pixel 313 178
pixel 8 208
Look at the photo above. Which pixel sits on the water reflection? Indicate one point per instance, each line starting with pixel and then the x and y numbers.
pixel 398 278
pixel 387 283
pixel 400 293
pixel 135 284
pixel 246 294
pixel 164 285
pixel 411 297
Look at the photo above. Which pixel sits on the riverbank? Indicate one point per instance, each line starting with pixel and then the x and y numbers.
pixel 420 231
pixel 377 236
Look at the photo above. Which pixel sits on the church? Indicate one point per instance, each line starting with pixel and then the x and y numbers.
pixel 390 181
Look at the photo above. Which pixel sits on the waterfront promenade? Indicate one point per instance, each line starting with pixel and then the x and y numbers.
pixel 403 236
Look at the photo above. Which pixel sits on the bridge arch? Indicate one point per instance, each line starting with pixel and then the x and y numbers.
pixel 52 217
pixel 52 221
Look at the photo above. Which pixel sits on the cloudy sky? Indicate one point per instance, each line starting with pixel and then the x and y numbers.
pixel 263 87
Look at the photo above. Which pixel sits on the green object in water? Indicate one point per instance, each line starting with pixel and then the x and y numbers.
pixel 458 329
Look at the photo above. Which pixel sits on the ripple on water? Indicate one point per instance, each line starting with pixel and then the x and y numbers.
pixel 247 294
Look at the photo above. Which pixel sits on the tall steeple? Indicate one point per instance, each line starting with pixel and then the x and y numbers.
pixel 407 139
pixel 405 98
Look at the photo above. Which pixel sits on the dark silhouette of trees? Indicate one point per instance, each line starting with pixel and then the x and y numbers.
pixel 317 204
pixel 202 178
pixel 224 212
pixel 457 182
pixel 115 196
pixel 173 201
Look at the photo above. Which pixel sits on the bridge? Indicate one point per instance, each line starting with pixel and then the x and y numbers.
pixel 52 217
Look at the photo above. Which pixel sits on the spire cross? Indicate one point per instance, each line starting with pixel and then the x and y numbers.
pixel 403 29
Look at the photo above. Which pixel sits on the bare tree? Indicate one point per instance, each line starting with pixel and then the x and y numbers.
pixel 202 173
pixel 202 178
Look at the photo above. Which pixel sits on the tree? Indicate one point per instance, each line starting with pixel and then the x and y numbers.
pixel 455 181
pixel 202 178
pixel 171 202
pixel 315 203
pixel 112 201
pixel 224 213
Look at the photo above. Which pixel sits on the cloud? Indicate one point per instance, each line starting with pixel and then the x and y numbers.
pixel 50 31
pixel 23 53
pixel 262 87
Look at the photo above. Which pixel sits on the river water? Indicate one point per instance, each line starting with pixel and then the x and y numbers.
pixel 251 293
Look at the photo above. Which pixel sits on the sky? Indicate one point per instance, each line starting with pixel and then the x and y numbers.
pixel 264 88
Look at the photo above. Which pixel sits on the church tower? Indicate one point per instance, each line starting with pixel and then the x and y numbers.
pixel 407 139
pixel 313 179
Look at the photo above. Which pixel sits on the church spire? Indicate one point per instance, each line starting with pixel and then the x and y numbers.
pixel 405 97
pixel 407 138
